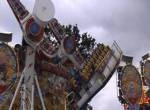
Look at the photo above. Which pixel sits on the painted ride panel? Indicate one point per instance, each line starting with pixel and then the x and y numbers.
pixel 8 76
pixel 146 73
pixel 131 85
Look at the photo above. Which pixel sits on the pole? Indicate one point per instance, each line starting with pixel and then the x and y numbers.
pixel 17 89
pixel 40 93
pixel 32 97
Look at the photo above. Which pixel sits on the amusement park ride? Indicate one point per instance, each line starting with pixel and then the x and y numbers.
pixel 40 75
pixel 46 74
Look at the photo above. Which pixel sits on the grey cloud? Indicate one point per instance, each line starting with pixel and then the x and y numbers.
pixel 126 21
pixel 8 22
pixel 107 97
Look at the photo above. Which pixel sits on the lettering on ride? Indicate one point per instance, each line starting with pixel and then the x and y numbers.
pixel 18 8
pixel 97 61
pixel 57 30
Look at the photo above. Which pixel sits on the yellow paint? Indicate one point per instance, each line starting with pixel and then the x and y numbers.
pixel 97 60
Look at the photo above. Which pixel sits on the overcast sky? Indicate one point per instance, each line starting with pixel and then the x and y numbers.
pixel 125 21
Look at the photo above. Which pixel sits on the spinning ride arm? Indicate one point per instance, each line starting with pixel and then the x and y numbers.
pixel 67 43
pixel 33 32
pixel 19 10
